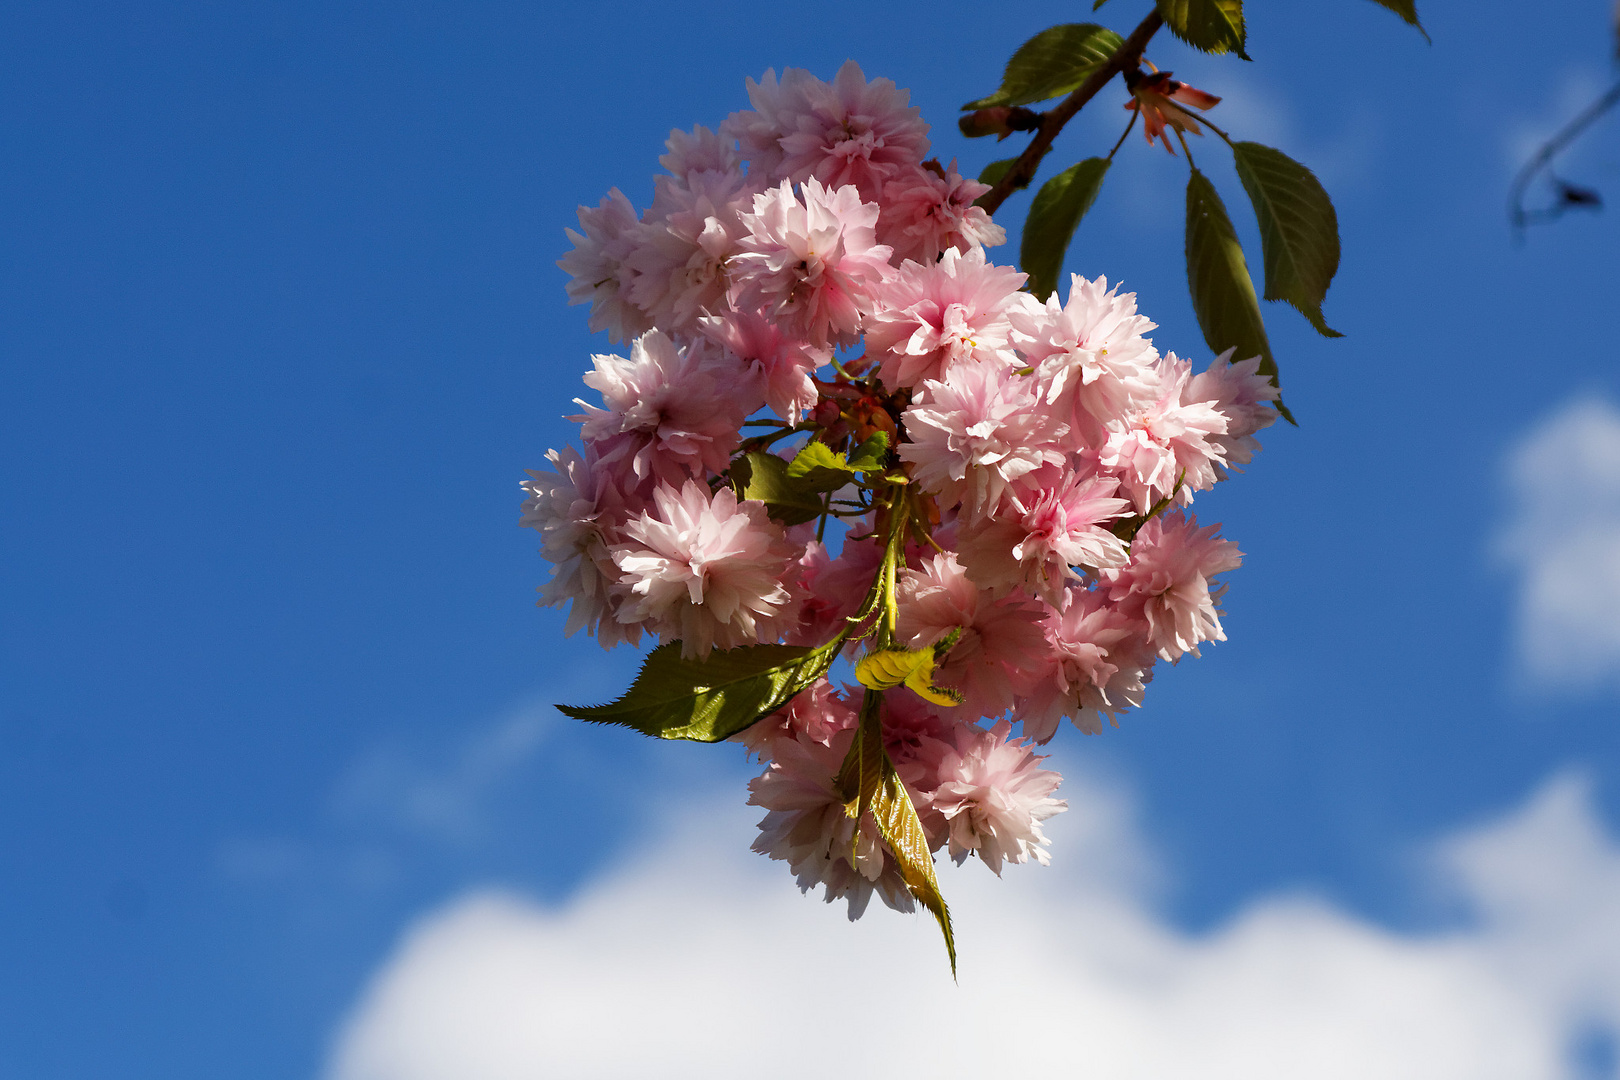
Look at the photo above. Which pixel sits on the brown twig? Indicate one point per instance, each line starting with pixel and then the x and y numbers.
pixel 1128 55
pixel 1569 196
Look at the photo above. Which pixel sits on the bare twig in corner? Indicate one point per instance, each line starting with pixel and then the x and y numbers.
pixel 1570 197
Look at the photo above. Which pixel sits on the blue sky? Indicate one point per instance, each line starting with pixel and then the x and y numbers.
pixel 281 328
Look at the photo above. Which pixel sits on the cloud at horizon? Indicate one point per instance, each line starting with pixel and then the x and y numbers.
pixel 695 958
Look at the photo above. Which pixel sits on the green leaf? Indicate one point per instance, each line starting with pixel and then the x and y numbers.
pixel 763 476
pixel 1215 26
pixel 821 468
pixel 1218 278
pixel 1097 5
pixel 872 455
pixel 1057 210
pixel 714 698
pixel 1052 63
pixel 911 668
pixel 862 771
pixel 902 831
pixel 1406 9
pixel 869 784
pixel 1299 232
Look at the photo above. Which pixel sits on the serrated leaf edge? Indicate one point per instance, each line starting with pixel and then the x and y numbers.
pixel 1250 165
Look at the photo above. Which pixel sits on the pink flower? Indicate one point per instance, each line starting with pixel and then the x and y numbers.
pixel 998 655
pixel 817 715
pixel 1240 393
pixel 1167 582
pixel 995 795
pixel 813 265
pixel 596 270
pixel 784 364
pixel 1156 95
pixel 706 569
pixel 1166 443
pixel 1100 663
pixel 1044 532
pixel 976 433
pixel 578 516
pixel 833 588
pixel 806 827
pixel 678 269
pixel 671 412
pixel 1090 355
pixel 1026 433
pixel 928 211
pixel 849 131
pixel 699 150
pixel 928 317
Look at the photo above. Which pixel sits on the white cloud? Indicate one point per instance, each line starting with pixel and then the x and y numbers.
pixel 1563 539
pixel 1546 888
pixel 699 959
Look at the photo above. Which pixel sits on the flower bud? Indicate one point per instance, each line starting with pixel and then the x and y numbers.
pixel 1000 121
pixel 976 125
pixel 825 414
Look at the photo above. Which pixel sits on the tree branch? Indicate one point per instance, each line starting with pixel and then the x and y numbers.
pixel 1517 214
pixel 1128 55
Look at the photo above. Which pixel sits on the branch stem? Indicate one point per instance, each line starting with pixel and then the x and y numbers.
pixel 1227 139
pixel 1543 157
pixel 1128 55
pixel 1135 114
pixel 1185 149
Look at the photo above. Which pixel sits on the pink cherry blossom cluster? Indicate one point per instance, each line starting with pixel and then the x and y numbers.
pixel 806 270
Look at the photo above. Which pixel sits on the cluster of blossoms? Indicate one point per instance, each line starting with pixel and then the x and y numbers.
pixel 807 271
